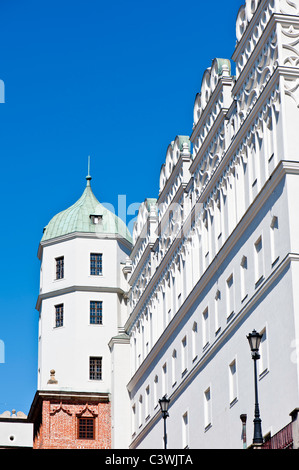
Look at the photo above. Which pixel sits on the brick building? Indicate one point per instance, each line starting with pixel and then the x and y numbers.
pixel 71 421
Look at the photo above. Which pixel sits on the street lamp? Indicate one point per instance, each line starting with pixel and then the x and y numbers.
pixel 164 404
pixel 254 340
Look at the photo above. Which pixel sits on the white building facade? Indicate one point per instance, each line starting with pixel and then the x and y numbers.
pixel 215 256
pixel 82 309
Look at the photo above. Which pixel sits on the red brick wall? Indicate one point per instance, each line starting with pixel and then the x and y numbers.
pixel 58 429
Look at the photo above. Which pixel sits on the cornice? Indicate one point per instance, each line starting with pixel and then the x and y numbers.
pixel 71 236
pixel 119 339
pixel 71 289
pixel 65 395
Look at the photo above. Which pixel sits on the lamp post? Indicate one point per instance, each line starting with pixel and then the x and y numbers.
pixel 254 340
pixel 164 404
pixel 243 418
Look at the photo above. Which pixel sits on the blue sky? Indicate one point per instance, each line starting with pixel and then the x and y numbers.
pixel 114 80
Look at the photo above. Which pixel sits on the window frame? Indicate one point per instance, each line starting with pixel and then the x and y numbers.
pixel 59 315
pixel 233 382
pixel 185 430
pixel 59 265
pixel 259 260
pixel 207 408
pixel 184 356
pixel 98 375
pixel 85 419
pixel 98 264
pixel 97 315
pixel 230 297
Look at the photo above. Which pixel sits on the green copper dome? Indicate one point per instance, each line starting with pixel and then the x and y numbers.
pixel 87 215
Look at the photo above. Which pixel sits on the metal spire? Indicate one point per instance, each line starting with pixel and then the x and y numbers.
pixel 88 177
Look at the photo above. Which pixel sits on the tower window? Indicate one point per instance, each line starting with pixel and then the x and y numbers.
pixel 96 264
pixel 58 315
pixel 85 428
pixel 95 368
pixel 60 267
pixel 96 312
pixel 96 218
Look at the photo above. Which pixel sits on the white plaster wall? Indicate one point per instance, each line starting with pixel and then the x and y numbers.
pixel 16 434
pixel 269 305
pixel 67 349
pixel 278 386
pixel 120 400
pixel 76 252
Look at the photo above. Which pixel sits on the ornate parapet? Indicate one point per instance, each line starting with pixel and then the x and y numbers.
pixel 260 18
pixel 212 102
pixel 176 151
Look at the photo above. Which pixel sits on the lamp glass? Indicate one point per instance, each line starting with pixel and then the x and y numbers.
pixel 164 403
pixel 254 340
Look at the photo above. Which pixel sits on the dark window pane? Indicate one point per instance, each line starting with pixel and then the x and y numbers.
pixel 95 368
pixel 96 312
pixel 96 264
pixel 86 428
pixel 59 315
pixel 60 268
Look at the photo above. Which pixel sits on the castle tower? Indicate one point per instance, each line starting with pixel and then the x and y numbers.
pixel 81 308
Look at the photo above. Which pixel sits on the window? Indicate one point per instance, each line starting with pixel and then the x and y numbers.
pixel 164 311
pixel 142 342
pixel 133 419
pixel 185 431
pixel 207 408
pixel 205 328
pixel 58 315
pixel 85 428
pixel 173 367
pixel 258 261
pixel 230 296
pixel 243 271
pixel 263 362
pixel 194 341
pixel 135 354
pixel 156 380
pixel 95 368
pixel 184 355
pixel 169 299
pixel 274 240
pixel 232 382
pixel 96 218
pixel 60 267
pixel 146 403
pixel 217 318
pixel 140 411
pixel 96 264
pixel 164 379
pixel 96 312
